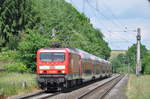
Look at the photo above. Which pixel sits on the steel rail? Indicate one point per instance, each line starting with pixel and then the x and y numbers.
pixel 107 92
pixel 87 93
pixel 40 96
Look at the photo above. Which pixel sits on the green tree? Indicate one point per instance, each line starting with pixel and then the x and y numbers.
pixel 29 46
pixel 146 64
pixel 131 56
pixel 16 15
pixel 119 63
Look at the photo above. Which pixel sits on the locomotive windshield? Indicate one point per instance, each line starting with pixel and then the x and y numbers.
pixel 52 56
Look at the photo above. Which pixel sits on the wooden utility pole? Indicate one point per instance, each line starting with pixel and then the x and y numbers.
pixel 138 60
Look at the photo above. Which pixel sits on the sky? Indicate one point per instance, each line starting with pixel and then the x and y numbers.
pixel 118 20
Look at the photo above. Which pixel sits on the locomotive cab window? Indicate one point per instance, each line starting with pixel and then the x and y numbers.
pixel 52 56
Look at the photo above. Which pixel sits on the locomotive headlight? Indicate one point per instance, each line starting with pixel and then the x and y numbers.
pixel 41 71
pixel 63 71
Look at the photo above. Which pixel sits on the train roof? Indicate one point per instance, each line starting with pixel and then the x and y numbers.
pixel 84 55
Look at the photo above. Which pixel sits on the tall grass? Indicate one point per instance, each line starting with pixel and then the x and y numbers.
pixel 139 87
pixel 16 83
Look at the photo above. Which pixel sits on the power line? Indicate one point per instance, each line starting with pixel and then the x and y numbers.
pixel 100 12
pixel 122 38
pixel 111 32
pixel 112 13
pixel 105 27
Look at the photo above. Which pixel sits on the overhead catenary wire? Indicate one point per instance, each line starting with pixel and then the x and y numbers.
pixel 103 25
pixel 103 15
pixel 112 13
pixel 96 10
pixel 116 34
pixel 109 30
pixel 116 18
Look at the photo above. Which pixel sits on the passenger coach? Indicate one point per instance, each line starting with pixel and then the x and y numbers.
pixel 66 67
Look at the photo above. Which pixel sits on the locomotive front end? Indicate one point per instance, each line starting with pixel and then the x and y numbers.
pixel 51 68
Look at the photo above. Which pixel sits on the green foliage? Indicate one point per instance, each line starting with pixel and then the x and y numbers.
pixel 7 55
pixel 16 16
pixel 16 67
pixel 119 63
pixel 129 59
pixel 29 46
pixel 146 64
pixel 2 40
pixel 13 44
pixel 131 56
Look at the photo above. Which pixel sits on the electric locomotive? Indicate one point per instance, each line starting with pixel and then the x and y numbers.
pixel 59 68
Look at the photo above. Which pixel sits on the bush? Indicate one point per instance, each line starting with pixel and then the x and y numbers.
pixel 147 69
pixel 7 55
pixel 28 47
pixel 146 65
pixel 12 45
pixel 16 67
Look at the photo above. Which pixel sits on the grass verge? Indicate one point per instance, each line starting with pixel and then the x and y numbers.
pixel 16 83
pixel 138 87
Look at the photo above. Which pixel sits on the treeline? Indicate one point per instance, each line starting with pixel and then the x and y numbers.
pixel 27 25
pixel 127 62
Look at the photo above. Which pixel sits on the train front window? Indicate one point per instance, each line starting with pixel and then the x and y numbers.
pixel 52 56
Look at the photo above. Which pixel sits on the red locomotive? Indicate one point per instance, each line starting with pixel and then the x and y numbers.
pixel 66 67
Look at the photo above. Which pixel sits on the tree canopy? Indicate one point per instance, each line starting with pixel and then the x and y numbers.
pixel 16 16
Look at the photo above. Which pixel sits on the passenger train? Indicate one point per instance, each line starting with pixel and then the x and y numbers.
pixel 59 68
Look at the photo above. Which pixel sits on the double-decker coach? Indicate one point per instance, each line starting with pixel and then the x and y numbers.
pixel 66 67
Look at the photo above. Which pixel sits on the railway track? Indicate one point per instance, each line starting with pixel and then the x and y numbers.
pixel 36 95
pixel 102 90
pixel 41 96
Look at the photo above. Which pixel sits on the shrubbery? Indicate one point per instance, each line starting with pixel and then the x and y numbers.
pixel 119 63
pixel 146 64
pixel 7 55
pixel 16 67
pixel 28 47
pixel 10 61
